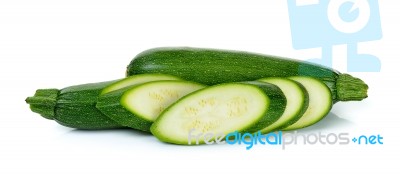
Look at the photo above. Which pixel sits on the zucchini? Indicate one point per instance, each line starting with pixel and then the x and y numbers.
pixel 220 109
pixel 320 102
pixel 297 102
pixel 73 106
pixel 138 106
pixel 134 80
pixel 210 67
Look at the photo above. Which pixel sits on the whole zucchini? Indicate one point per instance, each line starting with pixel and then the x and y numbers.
pixel 210 66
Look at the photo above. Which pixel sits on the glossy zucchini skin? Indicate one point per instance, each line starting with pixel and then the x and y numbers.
pixel 211 66
pixel 73 106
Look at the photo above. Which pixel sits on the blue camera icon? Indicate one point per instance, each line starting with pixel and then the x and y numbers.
pixel 324 23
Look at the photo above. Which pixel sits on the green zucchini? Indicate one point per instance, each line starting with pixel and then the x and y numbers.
pixel 73 106
pixel 138 106
pixel 320 102
pixel 220 109
pixel 297 102
pixel 210 67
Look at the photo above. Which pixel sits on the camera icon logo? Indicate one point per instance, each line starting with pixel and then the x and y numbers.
pixel 325 23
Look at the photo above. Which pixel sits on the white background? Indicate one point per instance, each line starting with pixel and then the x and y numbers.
pixel 46 44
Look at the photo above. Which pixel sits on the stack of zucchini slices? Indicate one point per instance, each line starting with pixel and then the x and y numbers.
pixel 170 109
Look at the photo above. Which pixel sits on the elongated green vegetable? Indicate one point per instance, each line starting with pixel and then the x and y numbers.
pixel 209 66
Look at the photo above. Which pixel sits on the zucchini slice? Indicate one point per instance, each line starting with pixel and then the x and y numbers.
pixel 137 79
pixel 138 106
pixel 220 109
pixel 297 102
pixel 320 102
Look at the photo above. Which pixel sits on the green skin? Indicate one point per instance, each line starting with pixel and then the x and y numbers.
pixel 274 111
pixel 210 67
pixel 73 106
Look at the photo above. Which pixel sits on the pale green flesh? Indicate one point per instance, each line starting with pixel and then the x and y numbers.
pixel 320 102
pixel 137 79
pixel 219 109
pixel 294 105
pixel 150 99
